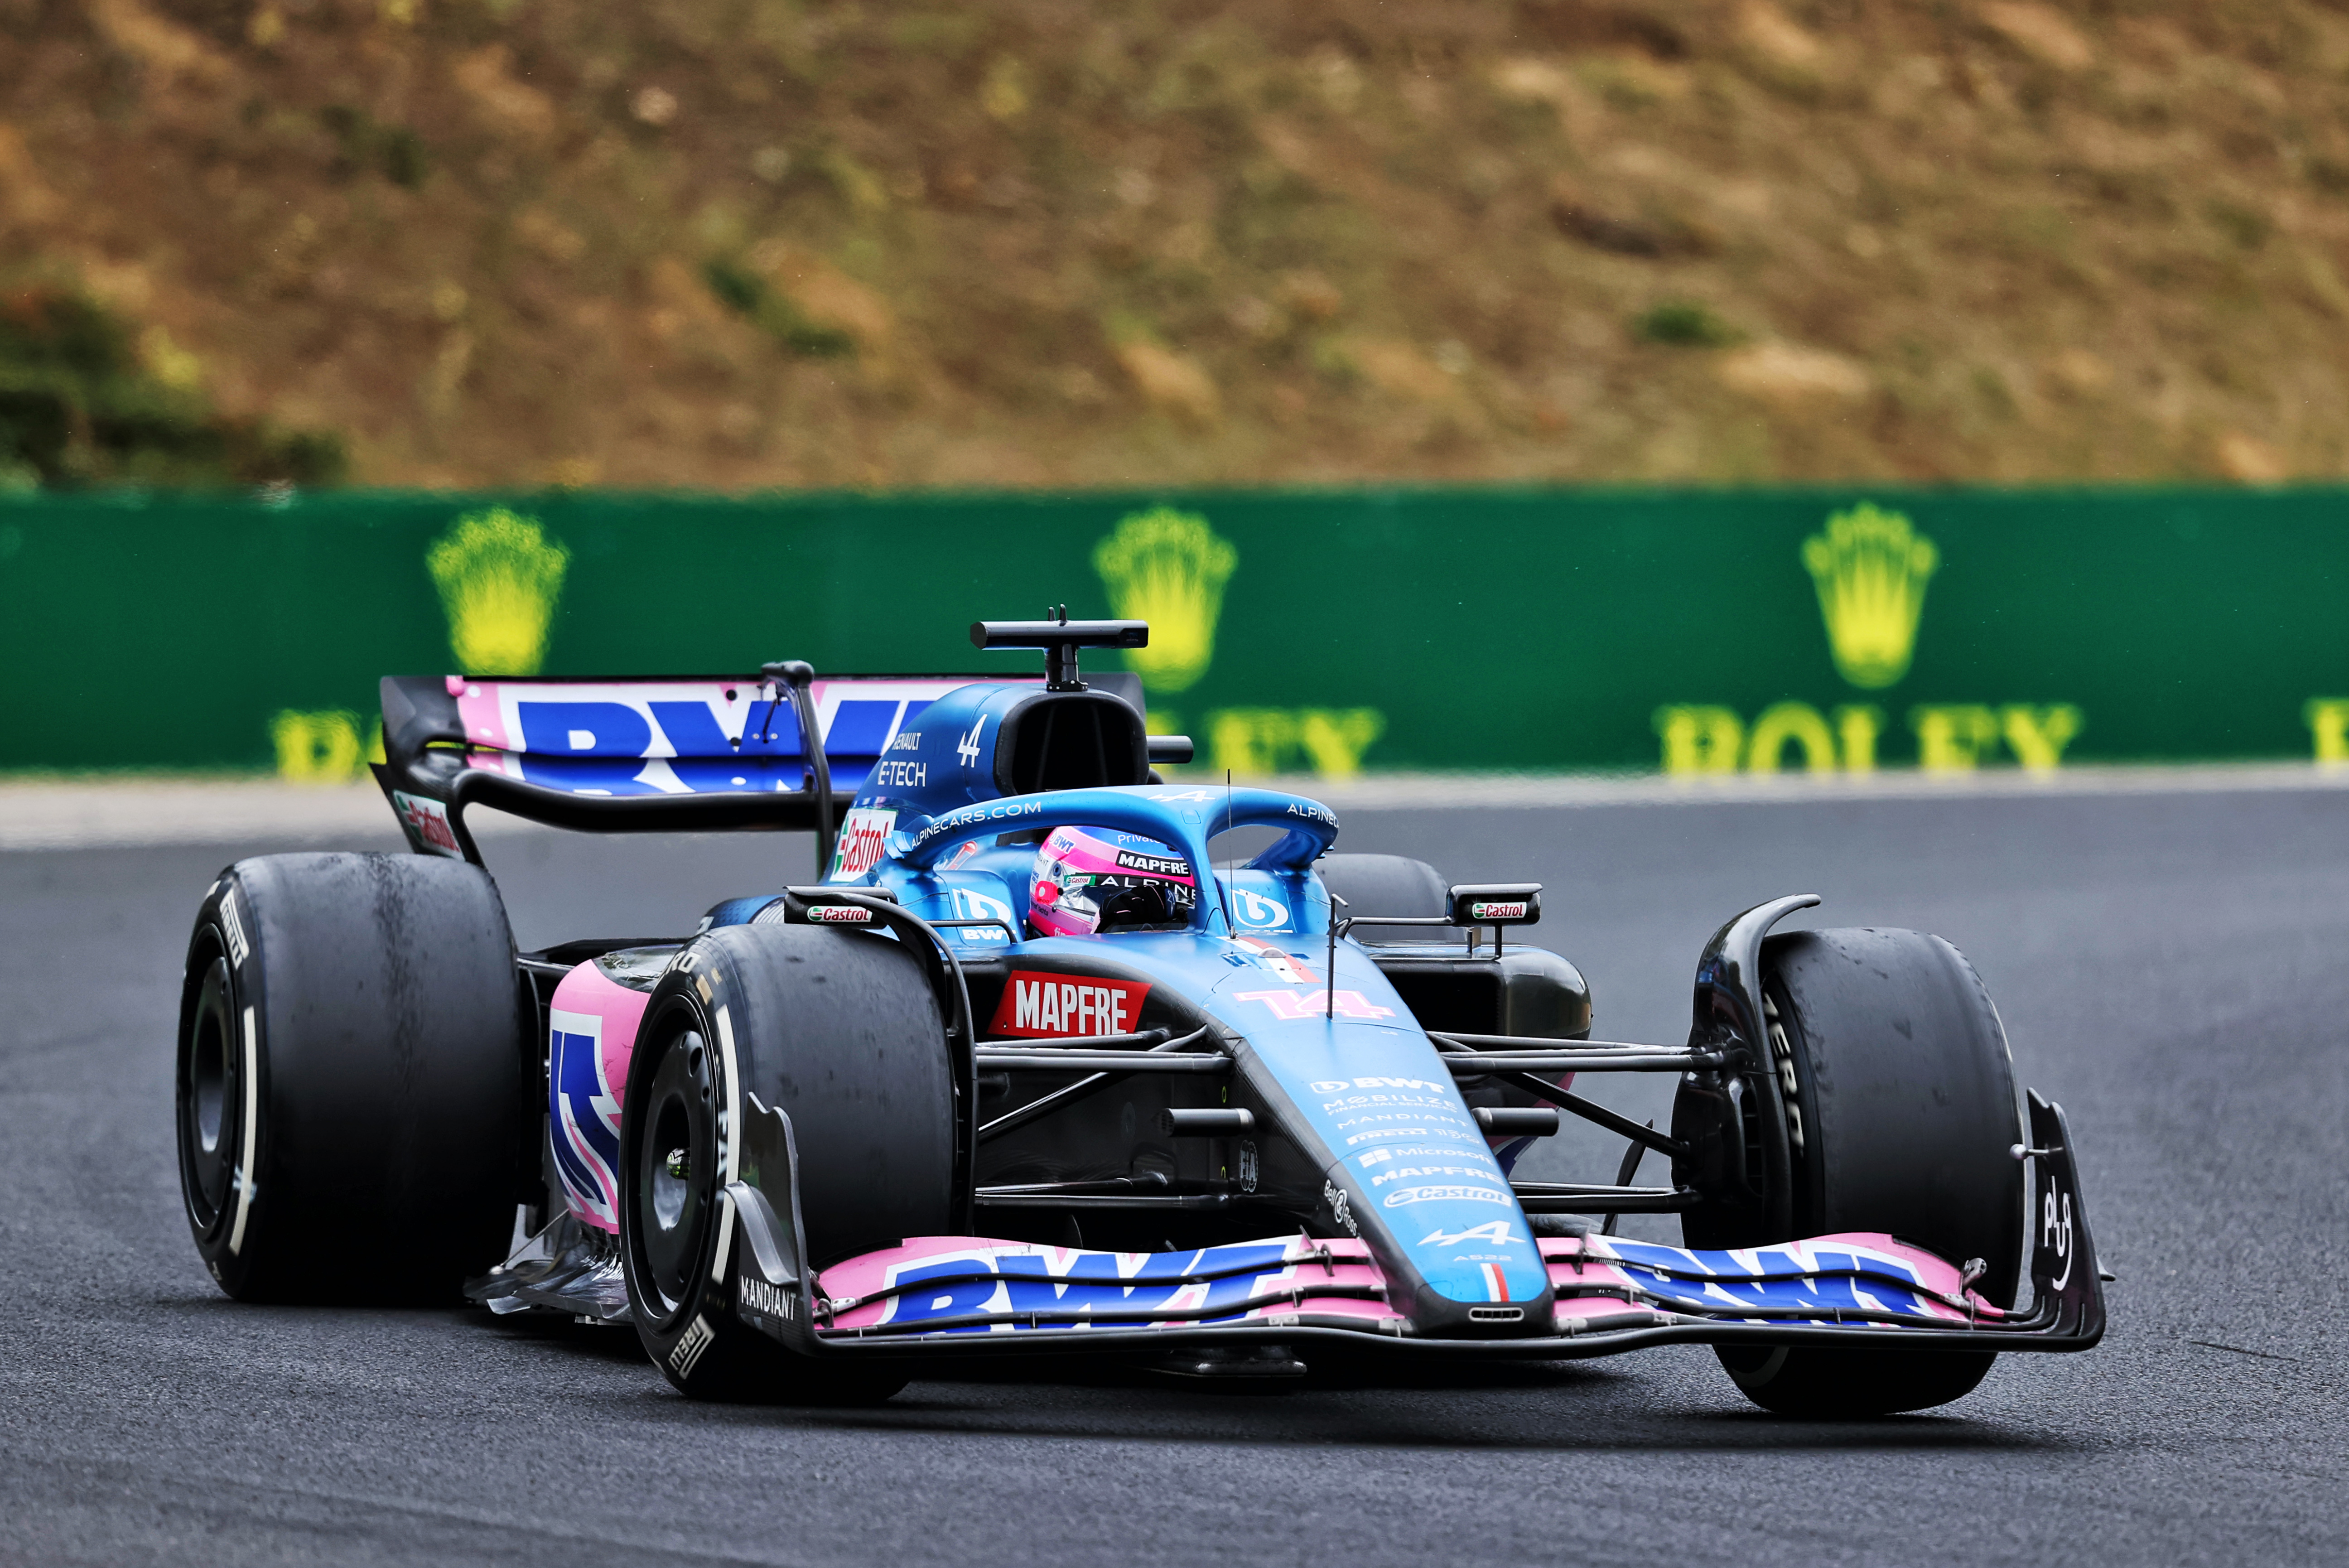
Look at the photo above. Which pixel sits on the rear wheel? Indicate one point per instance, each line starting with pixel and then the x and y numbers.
pixel 1901 1117
pixel 841 1033
pixel 353 1117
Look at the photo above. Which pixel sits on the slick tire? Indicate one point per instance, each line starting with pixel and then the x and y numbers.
pixel 1901 1118
pixel 1384 884
pixel 839 1030
pixel 352 1099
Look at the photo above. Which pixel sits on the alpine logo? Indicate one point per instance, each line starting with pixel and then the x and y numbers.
pixel 839 915
pixel 966 745
pixel 760 1299
pixel 1041 1005
pixel 1492 1233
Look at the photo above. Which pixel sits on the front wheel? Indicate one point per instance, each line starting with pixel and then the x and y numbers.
pixel 841 1032
pixel 1901 1118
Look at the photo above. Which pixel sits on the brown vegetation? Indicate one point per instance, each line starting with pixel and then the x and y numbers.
pixel 749 243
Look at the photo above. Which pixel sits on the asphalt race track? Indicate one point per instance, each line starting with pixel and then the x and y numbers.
pixel 2174 969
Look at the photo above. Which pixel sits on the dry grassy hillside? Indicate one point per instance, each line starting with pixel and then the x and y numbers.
pixel 749 243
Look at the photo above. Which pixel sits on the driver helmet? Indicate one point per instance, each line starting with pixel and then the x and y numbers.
pixel 1091 880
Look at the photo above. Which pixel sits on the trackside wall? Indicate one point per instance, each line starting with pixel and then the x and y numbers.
pixel 1833 630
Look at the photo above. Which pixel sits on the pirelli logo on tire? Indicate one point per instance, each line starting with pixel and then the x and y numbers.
pixel 687 1352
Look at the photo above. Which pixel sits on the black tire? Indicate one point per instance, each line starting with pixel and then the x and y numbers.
pixel 377 1098
pixel 1902 1118
pixel 840 1031
pixel 1385 885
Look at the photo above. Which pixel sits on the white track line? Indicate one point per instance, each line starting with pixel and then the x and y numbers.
pixel 101 811
pixel 1489 791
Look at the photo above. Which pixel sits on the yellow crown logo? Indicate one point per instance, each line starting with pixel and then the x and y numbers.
pixel 499 576
pixel 1871 568
pixel 1167 567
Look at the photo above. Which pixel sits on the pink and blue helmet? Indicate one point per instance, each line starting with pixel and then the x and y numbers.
pixel 1096 879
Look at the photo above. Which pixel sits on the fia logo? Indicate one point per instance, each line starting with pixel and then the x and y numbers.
pixel 966 745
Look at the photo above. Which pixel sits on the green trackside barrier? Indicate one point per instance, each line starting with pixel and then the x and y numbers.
pixel 1833 630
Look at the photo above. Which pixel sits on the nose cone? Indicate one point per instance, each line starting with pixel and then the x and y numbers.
pixel 1405 1166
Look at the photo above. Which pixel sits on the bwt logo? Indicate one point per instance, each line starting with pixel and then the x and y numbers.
pixel 1256 909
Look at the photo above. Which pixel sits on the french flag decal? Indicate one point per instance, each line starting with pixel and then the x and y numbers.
pixel 1496 1287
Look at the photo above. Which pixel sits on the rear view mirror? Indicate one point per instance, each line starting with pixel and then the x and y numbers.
pixel 1494 904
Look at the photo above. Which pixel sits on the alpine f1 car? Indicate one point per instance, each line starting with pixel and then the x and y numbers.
pixel 1023 1070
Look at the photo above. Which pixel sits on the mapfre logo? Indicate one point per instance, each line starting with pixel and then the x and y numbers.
pixel 1040 1006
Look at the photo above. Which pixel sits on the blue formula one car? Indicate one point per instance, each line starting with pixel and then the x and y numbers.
pixel 1025 1072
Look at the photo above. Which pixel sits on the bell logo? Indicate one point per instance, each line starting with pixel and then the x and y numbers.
pixel 1169 568
pixel 499 577
pixel 1871 568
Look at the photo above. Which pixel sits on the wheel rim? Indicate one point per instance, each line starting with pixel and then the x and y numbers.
pixel 212 1075
pixel 674 1189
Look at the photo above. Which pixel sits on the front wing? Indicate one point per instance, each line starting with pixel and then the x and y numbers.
pixel 967 1295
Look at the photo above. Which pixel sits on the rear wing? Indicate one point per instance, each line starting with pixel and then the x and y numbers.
pixel 674 755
